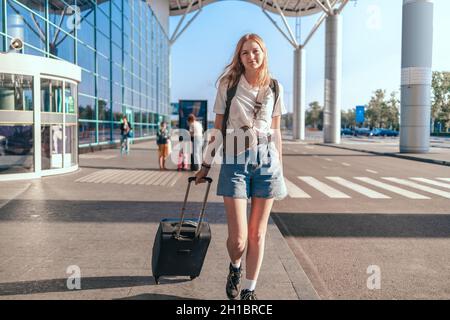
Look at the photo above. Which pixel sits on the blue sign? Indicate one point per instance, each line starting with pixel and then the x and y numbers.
pixel 360 114
pixel 199 108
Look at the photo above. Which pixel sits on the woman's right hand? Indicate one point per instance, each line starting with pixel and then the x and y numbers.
pixel 199 176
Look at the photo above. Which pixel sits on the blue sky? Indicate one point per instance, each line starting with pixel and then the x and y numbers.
pixel 371 49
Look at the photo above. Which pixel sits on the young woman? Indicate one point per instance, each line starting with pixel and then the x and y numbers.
pixel 262 180
pixel 162 140
pixel 125 129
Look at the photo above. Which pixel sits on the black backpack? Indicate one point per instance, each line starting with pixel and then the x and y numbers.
pixel 231 92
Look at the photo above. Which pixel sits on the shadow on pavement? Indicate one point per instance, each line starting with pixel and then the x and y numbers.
pixel 328 155
pixel 374 225
pixel 89 283
pixel 104 211
pixel 154 296
pixel 126 168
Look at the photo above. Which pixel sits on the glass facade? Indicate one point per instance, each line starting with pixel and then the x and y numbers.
pixel 123 52
pixel 16 148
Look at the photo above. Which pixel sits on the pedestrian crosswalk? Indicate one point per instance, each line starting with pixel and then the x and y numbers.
pixel 435 183
pixel 358 188
pixel 324 188
pixel 382 188
pixel 132 177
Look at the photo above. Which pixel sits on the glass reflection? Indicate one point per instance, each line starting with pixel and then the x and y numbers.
pixel 51 146
pixel 51 95
pixel 16 149
pixel 16 92
pixel 70 97
pixel 71 156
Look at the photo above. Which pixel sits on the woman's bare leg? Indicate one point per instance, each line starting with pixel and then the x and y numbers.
pixel 257 228
pixel 236 210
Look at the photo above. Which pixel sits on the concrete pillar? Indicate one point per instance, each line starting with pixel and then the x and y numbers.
pixel 333 76
pixel 417 49
pixel 298 127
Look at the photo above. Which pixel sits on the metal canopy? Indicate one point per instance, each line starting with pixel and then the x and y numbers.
pixel 290 8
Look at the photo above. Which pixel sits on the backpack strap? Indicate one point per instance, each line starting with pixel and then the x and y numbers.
pixel 231 92
pixel 276 92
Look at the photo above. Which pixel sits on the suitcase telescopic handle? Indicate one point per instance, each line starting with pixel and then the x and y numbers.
pixel 202 212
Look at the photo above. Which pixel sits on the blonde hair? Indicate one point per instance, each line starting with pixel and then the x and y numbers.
pixel 235 69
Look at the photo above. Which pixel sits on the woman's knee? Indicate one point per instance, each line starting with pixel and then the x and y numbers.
pixel 237 243
pixel 256 236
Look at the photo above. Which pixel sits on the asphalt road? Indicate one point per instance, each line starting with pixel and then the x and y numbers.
pixel 363 228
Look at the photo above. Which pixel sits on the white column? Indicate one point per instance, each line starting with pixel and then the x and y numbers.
pixel 333 76
pixel 37 124
pixel 298 126
pixel 417 49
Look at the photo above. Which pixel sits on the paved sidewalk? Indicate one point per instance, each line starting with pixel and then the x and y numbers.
pixel 439 152
pixel 103 219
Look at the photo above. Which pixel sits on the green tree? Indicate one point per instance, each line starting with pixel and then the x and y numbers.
pixel 393 113
pixel 376 109
pixel 314 115
pixel 440 107
pixel 348 118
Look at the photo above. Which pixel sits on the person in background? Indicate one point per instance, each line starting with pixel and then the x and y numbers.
pixel 196 131
pixel 125 129
pixel 162 140
pixel 183 163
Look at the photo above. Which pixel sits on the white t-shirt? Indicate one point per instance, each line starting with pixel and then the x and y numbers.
pixel 243 103
pixel 196 128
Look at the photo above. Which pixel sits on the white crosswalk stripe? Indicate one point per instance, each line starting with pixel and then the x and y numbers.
pixel 154 178
pixel 89 177
pixel 394 189
pixel 131 177
pixel 358 188
pixel 115 176
pixel 94 156
pixel 324 188
pixel 294 191
pixel 444 179
pixel 420 187
pixel 432 182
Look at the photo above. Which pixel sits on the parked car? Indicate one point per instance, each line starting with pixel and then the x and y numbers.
pixel 362 132
pixel 391 133
pixel 377 132
pixel 347 132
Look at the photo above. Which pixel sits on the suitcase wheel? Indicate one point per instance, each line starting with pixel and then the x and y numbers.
pixel 193 277
pixel 156 280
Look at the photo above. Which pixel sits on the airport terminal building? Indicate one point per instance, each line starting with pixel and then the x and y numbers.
pixel 83 64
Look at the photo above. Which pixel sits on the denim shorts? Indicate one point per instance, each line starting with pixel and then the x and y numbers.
pixel 255 173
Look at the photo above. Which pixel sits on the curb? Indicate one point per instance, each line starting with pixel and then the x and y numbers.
pixel 389 154
pixel 300 281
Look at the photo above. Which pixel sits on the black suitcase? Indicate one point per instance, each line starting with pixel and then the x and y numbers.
pixel 181 244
